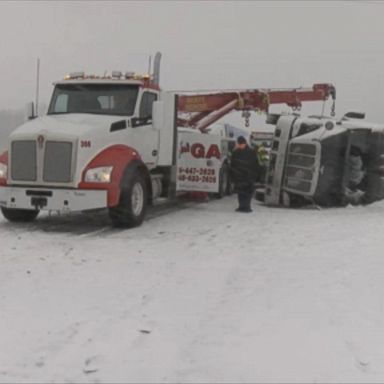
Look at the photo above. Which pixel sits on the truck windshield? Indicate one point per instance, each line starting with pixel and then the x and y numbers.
pixel 103 99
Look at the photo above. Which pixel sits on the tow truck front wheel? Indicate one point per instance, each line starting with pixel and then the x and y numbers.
pixel 19 215
pixel 130 211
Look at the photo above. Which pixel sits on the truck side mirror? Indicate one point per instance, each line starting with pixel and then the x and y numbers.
pixel 30 111
pixel 354 115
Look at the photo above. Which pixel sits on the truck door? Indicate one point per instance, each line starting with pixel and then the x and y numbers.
pixel 145 138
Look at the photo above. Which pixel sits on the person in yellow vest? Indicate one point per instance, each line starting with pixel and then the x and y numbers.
pixel 263 155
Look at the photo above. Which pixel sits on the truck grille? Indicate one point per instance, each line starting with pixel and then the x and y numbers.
pixel 23 164
pixel 55 161
pixel 299 172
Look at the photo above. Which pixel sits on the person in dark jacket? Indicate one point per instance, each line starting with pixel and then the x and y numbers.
pixel 244 172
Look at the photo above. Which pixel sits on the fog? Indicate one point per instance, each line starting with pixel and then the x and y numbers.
pixel 205 45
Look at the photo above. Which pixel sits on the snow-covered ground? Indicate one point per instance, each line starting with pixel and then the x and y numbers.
pixel 197 294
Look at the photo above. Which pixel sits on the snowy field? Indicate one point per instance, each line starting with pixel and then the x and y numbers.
pixel 197 294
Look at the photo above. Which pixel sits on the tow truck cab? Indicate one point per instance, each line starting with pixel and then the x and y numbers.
pixel 99 136
pixel 108 142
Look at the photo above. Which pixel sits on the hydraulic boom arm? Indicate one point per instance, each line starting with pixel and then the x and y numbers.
pixel 205 109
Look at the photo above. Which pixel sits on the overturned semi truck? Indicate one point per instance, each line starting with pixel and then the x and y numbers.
pixel 324 161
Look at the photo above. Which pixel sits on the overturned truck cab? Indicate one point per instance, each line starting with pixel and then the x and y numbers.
pixel 323 161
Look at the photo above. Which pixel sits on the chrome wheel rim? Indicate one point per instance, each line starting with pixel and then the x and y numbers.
pixel 137 199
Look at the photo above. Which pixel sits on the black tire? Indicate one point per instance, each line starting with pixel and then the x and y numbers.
pixel 223 182
pixel 19 215
pixel 291 200
pixel 230 188
pixel 132 207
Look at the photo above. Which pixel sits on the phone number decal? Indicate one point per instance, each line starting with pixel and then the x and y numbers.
pixel 197 175
pixel 197 171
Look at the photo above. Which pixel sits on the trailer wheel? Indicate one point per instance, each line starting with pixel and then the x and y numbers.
pixel 130 211
pixel 224 184
pixel 19 215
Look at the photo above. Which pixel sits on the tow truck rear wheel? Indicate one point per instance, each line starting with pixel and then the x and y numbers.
pixel 223 182
pixel 19 215
pixel 130 211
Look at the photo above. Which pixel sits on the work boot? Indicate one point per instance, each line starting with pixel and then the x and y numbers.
pixel 244 210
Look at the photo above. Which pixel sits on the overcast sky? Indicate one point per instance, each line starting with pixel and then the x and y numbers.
pixel 209 45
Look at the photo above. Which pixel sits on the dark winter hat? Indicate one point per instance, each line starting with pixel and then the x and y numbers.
pixel 241 140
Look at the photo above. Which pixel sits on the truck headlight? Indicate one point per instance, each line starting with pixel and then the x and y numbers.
pixel 98 175
pixel 3 171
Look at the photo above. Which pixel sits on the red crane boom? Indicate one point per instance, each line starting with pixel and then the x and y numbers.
pixel 205 109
